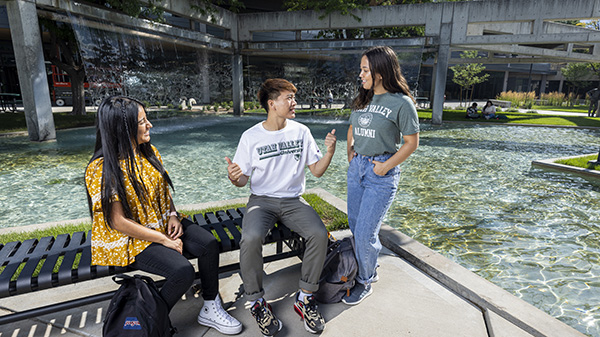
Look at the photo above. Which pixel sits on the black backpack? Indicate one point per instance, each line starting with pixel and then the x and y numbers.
pixel 339 270
pixel 137 310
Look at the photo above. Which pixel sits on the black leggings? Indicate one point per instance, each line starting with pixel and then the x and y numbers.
pixel 178 271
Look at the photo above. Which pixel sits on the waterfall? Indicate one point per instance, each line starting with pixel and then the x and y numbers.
pixel 154 69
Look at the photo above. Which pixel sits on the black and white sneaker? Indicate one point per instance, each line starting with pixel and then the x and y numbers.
pixel 308 311
pixel 268 324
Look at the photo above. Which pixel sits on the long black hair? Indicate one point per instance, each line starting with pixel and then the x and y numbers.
pixel 382 61
pixel 116 140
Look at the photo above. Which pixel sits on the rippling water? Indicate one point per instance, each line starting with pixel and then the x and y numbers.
pixel 469 192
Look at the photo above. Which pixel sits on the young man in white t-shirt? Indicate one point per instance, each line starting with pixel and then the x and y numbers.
pixel 272 155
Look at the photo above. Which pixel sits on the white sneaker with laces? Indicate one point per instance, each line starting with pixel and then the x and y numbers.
pixel 213 315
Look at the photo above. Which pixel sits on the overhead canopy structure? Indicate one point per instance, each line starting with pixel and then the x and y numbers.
pixel 510 31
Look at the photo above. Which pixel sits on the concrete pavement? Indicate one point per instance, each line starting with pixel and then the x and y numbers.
pixel 420 293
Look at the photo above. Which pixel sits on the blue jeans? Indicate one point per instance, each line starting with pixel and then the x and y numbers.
pixel 369 198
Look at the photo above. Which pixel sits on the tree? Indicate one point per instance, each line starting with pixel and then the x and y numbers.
pixel 575 72
pixel 467 75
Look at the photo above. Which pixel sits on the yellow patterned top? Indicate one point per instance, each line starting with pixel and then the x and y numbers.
pixel 111 247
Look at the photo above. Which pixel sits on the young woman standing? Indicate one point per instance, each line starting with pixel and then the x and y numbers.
pixel 383 117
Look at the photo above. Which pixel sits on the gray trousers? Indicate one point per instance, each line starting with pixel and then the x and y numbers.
pixel 295 213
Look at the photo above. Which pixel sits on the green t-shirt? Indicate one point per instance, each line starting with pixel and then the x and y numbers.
pixel 378 128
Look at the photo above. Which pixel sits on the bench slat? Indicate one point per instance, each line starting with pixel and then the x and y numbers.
pixel 199 219
pixel 46 278
pixel 233 214
pixel 85 269
pixel 25 280
pixel 211 218
pixel 225 241
pixel 7 250
pixel 68 247
pixel 65 271
pixel 20 256
pixel 235 232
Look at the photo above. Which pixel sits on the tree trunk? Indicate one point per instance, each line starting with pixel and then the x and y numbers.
pixel 472 89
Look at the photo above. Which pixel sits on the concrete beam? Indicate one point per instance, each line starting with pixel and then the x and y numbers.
pixel 518 10
pixel 99 18
pixel 29 56
pixel 555 55
pixel 587 37
pixel 380 16
pixel 222 18
pixel 325 45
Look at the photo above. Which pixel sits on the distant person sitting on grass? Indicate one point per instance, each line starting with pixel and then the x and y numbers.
pixel 594 95
pixel 472 111
pixel 489 110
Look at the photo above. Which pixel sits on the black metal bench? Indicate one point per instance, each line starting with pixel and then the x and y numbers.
pixel 74 250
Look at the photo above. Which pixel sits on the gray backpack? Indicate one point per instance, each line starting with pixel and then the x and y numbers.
pixel 339 270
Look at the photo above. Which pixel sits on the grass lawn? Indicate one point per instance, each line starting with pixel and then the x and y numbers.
pixel 12 122
pixel 580 162
pixel 333 219
pixel 518 118
pixel 577 108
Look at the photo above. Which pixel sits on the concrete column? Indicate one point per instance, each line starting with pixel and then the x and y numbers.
pixel 596 49
pixel 441 73
pixel 560 85
pixel 237 75
pixel 505 83
pixel 29 56
pixel 569 47
pixel 203 69
pixel 204 75
pixel 543 84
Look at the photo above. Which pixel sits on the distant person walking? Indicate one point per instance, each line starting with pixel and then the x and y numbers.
pixel 594 95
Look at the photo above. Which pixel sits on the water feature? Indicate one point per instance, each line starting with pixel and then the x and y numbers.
pixel 469 192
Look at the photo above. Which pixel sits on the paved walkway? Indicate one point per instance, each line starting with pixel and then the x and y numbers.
pixel 420 293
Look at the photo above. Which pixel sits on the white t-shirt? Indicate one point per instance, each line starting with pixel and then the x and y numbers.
pixel 275 160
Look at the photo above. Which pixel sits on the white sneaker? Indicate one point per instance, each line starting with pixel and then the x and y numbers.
pixel 213 315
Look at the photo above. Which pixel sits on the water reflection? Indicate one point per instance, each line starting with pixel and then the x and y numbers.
pixel 469 192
